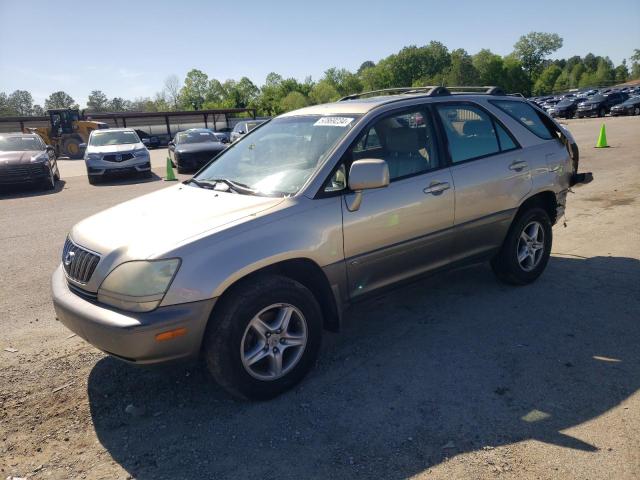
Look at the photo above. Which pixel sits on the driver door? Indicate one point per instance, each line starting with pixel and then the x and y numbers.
pixel 404 229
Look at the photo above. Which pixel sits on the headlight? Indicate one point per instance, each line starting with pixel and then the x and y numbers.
pixel 140 153
pixel 138 286
pixel 40 157
pixel 93 156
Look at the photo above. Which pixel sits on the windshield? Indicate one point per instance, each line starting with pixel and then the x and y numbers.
pixel 101 139
pixel 279 157
pixel 195 137
pixel 566 103
pixel 597 98
pixel 19 144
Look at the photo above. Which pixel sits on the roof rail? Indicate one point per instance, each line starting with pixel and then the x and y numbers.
pixel 431 91
pixel 480 90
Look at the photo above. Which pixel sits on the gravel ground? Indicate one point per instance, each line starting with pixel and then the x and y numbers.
pixel 455 376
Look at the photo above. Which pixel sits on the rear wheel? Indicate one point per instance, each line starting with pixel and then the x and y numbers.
pixel 263 337
pixel 525 252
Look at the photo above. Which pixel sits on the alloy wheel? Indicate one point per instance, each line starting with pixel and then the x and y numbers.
pixel 530 248
pixel 274 341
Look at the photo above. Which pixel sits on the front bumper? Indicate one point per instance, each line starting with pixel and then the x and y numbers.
pixel 20 174
pixel 102 167
pixel 617 112
pixel 587 113
pixel 127 335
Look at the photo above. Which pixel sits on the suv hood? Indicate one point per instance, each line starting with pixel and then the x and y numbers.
pixel 127 147
pixel 16 158
pixel 156 223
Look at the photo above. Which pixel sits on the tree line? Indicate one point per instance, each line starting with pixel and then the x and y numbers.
pixel 526 70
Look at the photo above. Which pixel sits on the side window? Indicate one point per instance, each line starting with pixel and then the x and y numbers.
pixel 469 131
pixel 506 142
pixel 526 115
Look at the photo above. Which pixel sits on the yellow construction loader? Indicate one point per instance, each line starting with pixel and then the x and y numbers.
pixel 67 132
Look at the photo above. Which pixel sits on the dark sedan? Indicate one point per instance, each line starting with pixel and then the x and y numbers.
pixel 24 158
pixel 628 107
pixel 193 148
pixel 600 104
pixel 565 108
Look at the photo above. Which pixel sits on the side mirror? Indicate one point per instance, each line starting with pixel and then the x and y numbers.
pixel 171 144
pixel 49 148
pixel 82 146
pixel 366 174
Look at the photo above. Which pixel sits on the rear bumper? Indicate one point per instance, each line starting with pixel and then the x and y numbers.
pixel 131 336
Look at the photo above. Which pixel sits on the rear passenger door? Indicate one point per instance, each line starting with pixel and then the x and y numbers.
pixel 490 176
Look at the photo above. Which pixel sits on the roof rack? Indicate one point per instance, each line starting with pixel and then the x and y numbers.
pixel 431 91
pixel 479 90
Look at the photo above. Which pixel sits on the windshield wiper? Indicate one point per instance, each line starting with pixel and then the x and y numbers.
pixel 237 187
pixel 201 184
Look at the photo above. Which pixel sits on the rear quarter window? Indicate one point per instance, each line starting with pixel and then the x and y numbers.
pixel 526 115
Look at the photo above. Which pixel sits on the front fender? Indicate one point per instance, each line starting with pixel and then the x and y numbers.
pixel 308 228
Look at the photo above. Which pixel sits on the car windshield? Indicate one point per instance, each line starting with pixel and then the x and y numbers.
pixel 19 144
pixel 279 157
pixel 631 101
pixel 195 137
pixel 566 102
pixel 102 139
pixel 597 98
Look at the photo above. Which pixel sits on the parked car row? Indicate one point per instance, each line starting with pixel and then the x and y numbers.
pixel 591 102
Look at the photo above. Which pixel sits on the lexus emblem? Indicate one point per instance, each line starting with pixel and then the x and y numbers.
pixel 118 158
pixel 68 258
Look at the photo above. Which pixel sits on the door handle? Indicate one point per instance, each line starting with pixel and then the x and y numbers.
pixel 436 188
pixel 518 166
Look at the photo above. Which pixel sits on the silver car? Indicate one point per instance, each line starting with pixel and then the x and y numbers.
pixel 116 151
pixel 309 212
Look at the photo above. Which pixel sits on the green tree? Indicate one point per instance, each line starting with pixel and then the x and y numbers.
pixel 59 99
pixel 605 74
pixel 37 111
pixel 172 88
pixel 462 72
pixel 576 74
pixel 547 80
pixel 5 108
pixel 343 81
pixel 323 92
pixel 532 48
pixel 97 101
pixel 21 102
pixel 119 104
pixel 489 66
pixel 364 65
pixel 515 78
pixel 194 91
pixel 563 82
pixel 293 101
pixel 622 72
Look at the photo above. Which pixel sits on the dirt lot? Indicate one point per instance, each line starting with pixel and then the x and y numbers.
pixel 456 376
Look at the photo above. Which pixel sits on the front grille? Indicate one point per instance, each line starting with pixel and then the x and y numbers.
pixel 78 262
pixel 198 158
pixel 22 170
pixel 118 157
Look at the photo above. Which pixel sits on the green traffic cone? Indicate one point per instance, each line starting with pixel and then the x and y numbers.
pixel 602 138
pixel 170 175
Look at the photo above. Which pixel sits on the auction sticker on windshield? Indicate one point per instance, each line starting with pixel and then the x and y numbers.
pixel 333 122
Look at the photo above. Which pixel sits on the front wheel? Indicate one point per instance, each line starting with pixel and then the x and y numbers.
pixel 263 337
pixel 636 111
pixel 602 112
pixel 526 250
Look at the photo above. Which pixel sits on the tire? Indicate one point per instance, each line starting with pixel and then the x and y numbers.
pixel 602 112
pixel 92 179
pixel 231 339
pixel 71 148
pixel 181 169
pixel 636 111
pixel 506 265
pixel 50 182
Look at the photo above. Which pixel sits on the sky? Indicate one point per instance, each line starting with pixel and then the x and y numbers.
pixel 128 48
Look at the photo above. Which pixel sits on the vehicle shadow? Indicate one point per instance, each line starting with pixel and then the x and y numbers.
pixel 451 364
pixel 28 190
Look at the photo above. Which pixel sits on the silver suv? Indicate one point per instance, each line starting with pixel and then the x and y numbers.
pixel 247 262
